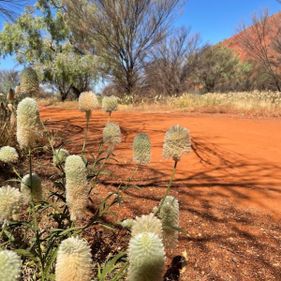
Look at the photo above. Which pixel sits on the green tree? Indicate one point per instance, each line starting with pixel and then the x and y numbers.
pixel 218 68
pixel 40 37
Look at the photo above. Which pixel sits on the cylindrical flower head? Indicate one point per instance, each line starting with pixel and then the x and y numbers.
pixel 147 223
pixel 88 101
pixel 8 155
pixel 142 149
pixel 169 215
pixel 31 189
pixel 77 188
pixel 74 261
pixel 60 156
pixel 29 82
pixel 176 142
pixel 146 257
pixel 10 266
pixel 111 134
pixel 10 203
pixel 27 122
pixel 109 104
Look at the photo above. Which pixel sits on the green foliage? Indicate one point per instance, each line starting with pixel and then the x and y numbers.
pixel 217 66
pixel 40 37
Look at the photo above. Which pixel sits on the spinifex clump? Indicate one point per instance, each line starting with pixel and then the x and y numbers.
pixel 29 82
pixel 74 261
pixel 169 215
pixel 31 188
pixel 146 257
pixel 8 155
pixel 10 266
pixel 109 104
pixel 142 149
pixel 77 188
pixel 10 203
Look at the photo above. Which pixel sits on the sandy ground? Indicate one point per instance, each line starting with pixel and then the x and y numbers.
pixel 229 190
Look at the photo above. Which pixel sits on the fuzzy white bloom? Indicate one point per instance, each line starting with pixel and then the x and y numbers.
pixel 60 156
pixel 27 123
pixel 8 155
pixel 109 104
pixel 77 188
pixel 112 134
pixel 142 149
pixel 147 223
pixel 31 189
pixel 169 215
pixel 10 266
pixel 74 261
pixel 10 203
pixel 88 101
pixel 146 257
pixel 176 143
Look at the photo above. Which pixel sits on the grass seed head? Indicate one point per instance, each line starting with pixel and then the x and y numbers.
pixel 10 266
pixel 8 155
pixel 142 149
pixel 76 186
pixel 176 143
pixel 146 257
pixel 10 203
pixel 74 260
pixel 27 123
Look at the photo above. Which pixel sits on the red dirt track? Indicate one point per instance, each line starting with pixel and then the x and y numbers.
pixel 229 190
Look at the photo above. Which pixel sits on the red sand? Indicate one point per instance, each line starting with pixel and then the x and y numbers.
pixel 229 192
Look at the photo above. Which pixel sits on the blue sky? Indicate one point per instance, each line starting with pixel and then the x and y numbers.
pixel 215 20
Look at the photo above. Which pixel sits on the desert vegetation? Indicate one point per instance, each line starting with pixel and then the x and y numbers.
pixel 81 197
